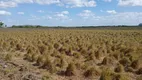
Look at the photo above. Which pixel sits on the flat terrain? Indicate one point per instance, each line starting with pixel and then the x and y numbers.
pixel 71 54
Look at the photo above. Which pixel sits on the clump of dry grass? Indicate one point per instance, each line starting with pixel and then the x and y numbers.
pixel 139 71
pixel 8 57
pixel 28 57
pixel 119 68
pixel 70 71
pixel 92 72
pixel 135 64
pixel 107 61
pixel 121 77
pixel 40 61
pixel 77 55
pixel 125 61
pixel 139 78
pixel 34 57
pixel 107 74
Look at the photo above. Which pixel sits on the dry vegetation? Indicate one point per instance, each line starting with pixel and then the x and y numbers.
pixel 73 54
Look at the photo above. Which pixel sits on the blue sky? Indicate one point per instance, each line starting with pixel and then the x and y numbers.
pixel 71 12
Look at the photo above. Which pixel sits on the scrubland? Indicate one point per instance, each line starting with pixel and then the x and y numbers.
pixel 70 54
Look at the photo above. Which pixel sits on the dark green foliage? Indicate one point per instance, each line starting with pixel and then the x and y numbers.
pixel 1 24
pixel 27 26
pixel 140 24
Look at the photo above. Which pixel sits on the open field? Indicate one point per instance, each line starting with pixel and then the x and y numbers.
pixel 71 54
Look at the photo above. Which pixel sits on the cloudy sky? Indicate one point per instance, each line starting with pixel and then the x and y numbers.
pixel 71 12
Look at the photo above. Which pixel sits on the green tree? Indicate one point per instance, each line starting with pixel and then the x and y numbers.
pixel 140 24
pixel 1 24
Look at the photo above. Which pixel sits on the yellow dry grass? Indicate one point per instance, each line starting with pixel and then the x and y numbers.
pixel 84 50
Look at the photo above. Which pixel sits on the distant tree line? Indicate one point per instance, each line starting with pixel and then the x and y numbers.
pixel 2 25
pixel 27 26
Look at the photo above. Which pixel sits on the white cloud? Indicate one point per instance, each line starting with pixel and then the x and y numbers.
pixel 49 17
pixel 47 1
pixel 6 4
pixel 33 17
pixel 111 11
pixel 62 15
pixel 40 11
pixel 65 12
pixel 130 2
pixel 79 3
pixel 126 18
pixel 21 13
pixel 66 3
pixel 23 1
pixel 86 14
pixel 107 0
pixel 119 18
pixel 3 13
